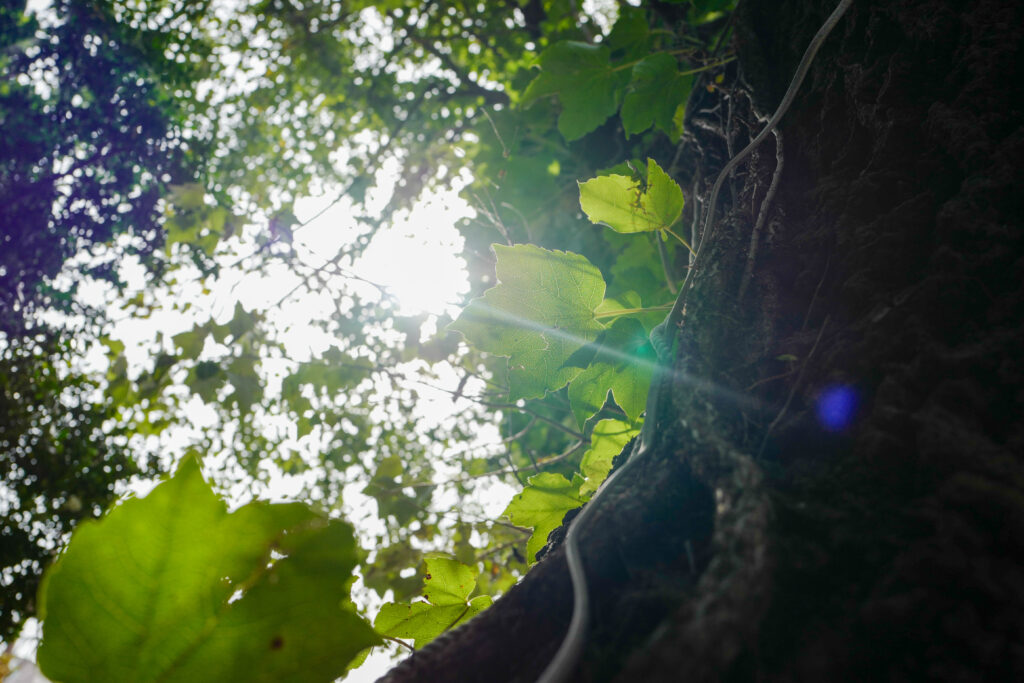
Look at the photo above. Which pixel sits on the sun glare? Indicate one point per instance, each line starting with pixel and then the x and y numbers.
pixel 416 260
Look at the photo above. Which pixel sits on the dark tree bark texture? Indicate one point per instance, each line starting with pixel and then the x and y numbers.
pixel 758 542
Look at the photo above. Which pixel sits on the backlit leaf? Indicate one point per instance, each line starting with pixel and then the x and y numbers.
pixel 446 591
pixel 172 587
pixel 607 441
pixel 542 505
pixel 623 365
pixel 540 312
pixel 618 201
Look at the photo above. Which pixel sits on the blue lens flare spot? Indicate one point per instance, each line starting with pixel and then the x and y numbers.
pixel 836 406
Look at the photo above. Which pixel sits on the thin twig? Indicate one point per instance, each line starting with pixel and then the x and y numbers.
pixel 755 236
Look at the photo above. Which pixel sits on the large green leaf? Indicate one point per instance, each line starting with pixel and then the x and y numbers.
pixel 586 84
pixel 542 505
pixel 623 365
pixel 618 201
pixel 540 312
pixel 172 587
pixel 656 90
pixel 607 440
pixel 446 589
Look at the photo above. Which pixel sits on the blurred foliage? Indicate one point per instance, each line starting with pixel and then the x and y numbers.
pixel 60 463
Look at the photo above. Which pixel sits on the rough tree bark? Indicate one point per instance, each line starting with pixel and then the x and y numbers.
pixel 890 261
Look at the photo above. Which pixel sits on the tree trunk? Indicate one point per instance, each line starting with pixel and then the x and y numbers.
pixel 769 537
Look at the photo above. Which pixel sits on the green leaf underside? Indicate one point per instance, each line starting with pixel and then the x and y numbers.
pixel 541 311
pixel 586 85
pixel 447 588
pixel 618 202
pixel 607 441
pixel 542 505
pixel 448 581
pixel 149 593
pixel 422 622
pixel 623 365
pixel 654 93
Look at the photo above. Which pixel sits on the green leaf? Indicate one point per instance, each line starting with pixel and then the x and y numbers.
pixel 585 82
pixel 241 322
pixel 654 94
pixel 629 34
pixel 618 202
pixel 541 311
pixel 191 343
pixel 241 372
pixel 607 441
pixel 446 589
pixel 205 380
pixel 542 505
pixel 448 582
pixel 623 365
pixel 172 587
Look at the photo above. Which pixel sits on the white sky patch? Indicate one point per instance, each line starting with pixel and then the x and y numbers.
pixel 602 12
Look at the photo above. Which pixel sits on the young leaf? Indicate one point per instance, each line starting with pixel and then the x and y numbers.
pixel 542 505
pixel 541 311
pixel 654 93
pixel 623 365
pixel 618 202
pixel 446 589
pixel 172 587
pixel 582 77
pixel 607 441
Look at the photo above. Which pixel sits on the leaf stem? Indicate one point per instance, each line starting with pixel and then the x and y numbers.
pixel 631 311
pixel 684 242
pixel 712 65
pixel 400 642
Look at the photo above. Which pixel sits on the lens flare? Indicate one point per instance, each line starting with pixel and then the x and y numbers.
pixel 836 407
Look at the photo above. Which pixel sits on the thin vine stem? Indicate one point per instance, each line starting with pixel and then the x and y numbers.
pixel 631 311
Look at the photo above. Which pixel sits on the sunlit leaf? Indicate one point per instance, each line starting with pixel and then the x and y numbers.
pixel 172 587
pixel 541 311
pixel 607 441
pixel 618 201
pixel 623 365
pixel 446 590
pixel 542 505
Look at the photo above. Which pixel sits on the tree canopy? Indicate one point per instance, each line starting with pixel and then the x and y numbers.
pixel 158 151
